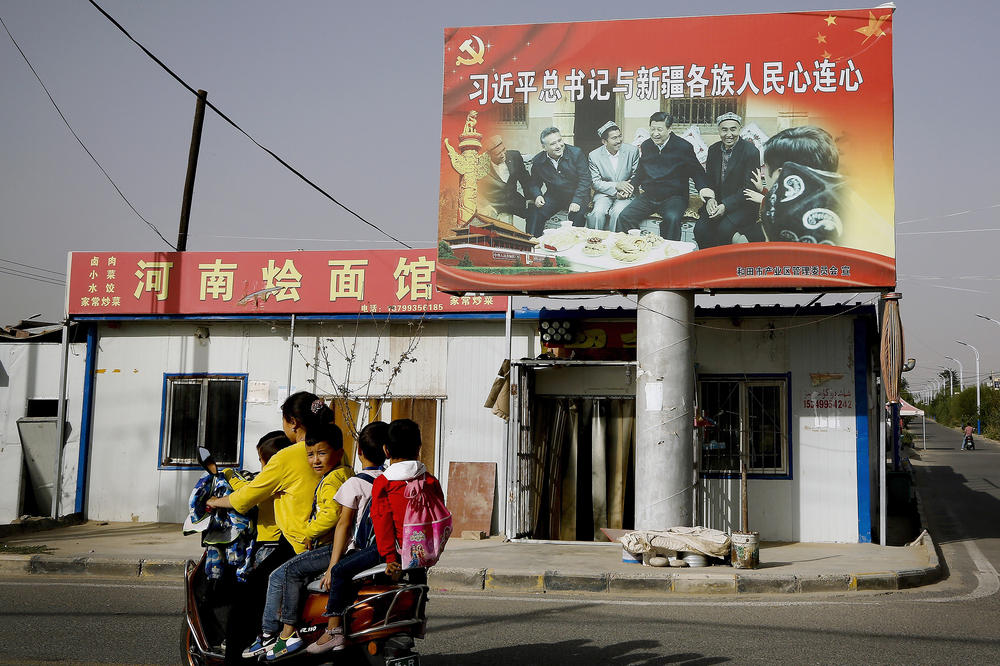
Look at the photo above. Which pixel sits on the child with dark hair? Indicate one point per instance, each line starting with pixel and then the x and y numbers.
pixel 354 497
pixel 806 195
pixel 290 481
pixel 325 452
pixel 388 502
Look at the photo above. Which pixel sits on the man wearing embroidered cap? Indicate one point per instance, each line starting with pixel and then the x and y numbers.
pixel 612 165
pixel 732 165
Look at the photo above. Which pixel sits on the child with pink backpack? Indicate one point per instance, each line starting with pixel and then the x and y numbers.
pixel 408 512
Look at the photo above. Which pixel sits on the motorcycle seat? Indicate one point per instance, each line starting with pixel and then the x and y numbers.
pixel 313 585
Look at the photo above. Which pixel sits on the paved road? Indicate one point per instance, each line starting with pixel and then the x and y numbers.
pixel 75 620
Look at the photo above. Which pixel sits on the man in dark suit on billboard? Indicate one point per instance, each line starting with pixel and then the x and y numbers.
pixel 666 164
pixel 564 172
pixel 498 189
pixel 731 165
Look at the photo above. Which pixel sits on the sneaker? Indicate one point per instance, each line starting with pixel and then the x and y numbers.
pixel 336 642
pixel 263 643
pixel 285 646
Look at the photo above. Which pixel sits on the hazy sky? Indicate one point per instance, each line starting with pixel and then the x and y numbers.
pixel 352 98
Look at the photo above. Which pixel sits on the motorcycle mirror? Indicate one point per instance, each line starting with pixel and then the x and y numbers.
pixel 206 460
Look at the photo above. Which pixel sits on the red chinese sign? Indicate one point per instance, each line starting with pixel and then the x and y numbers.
pixel 370 282
pixel 725 152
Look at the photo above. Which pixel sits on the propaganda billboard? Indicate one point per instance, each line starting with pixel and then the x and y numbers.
pixel 366 282
pixel 749 152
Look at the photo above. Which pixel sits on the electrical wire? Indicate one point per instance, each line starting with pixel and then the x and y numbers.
pixel 28 276
pixel 80 141
pixel 244 132
pixel 37 268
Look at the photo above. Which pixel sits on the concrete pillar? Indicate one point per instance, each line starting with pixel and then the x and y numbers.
pixel 664 416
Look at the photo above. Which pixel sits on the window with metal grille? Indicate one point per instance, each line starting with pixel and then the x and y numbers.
pixel 700 110
pixel 748 418
pixel 202 410
pixel 515 113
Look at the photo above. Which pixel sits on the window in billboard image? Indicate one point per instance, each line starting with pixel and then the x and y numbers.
pixel 702 110
pixel 748 418
pixel 513 115
pixel 202 410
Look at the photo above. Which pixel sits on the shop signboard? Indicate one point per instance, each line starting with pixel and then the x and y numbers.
pixel 370 282
pixel 755 154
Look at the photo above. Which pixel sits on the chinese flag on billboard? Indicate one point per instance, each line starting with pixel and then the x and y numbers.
pixel 723 152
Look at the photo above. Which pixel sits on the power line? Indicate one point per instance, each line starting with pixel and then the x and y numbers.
pixel 29 276
pixel 37 268
pixel 80 141
pixel 244 132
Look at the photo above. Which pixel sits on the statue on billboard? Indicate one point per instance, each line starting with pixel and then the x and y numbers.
pixel 470 164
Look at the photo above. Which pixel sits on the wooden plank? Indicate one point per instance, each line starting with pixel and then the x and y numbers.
pixel 471 488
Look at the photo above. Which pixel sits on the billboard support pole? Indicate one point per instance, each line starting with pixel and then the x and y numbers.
pixel 664 403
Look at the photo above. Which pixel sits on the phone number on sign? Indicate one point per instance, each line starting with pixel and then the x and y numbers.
pixel 831 403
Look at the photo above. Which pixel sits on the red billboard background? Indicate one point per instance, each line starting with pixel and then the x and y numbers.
pixel 835 71
pixel 344 282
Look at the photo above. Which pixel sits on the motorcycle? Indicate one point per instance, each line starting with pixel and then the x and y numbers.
pixel 968 444
pixel 379 627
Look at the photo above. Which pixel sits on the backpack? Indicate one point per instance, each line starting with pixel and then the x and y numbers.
pixel 364 529
pixel 426 525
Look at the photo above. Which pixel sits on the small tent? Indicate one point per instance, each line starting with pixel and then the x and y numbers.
pixel 906 409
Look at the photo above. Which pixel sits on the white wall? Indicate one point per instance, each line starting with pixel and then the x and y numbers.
pixel 453 359
pixel 30 370
pixel 819 503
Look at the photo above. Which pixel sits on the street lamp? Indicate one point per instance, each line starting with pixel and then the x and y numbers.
pixel 951 379
pixel 961 373
pixel 979 425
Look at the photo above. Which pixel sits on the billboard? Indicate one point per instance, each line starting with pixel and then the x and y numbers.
pixel 369 282
pixel 725 152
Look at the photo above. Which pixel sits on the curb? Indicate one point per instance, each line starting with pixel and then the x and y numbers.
pixel 29 565
pixel 485 581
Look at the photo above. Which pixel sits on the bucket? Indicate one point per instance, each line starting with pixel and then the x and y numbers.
pixel 629 558
pixel 745 552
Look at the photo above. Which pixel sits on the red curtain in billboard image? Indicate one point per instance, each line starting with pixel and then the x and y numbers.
pixel 726 152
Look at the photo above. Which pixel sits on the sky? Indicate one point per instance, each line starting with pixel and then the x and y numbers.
pixel 351 97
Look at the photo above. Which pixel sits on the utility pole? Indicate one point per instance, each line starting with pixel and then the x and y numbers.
pixel 199 120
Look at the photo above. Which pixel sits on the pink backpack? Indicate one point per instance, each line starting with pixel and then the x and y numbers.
pixel 426 525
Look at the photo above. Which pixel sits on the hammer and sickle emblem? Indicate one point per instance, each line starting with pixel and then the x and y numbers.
pixel 476 54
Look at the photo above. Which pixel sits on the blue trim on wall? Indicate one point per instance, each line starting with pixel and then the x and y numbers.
pixel 163 415
pixel 787 376
pixel 86 425
pixel 861 426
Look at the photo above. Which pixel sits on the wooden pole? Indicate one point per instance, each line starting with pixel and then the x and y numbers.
pixel 199 120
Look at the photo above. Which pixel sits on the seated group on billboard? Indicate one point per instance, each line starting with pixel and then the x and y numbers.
pixel 795 196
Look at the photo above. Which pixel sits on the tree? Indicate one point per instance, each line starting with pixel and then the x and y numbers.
pixel 355 388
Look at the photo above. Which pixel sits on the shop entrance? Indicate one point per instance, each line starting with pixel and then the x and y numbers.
pixel 573 459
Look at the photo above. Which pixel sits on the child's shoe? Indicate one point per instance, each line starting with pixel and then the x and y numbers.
pixel 336 642
pixel 263 643
pixel 285 646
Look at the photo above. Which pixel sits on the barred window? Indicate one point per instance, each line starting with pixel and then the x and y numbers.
pixel 749 419
pixel 515 113
pixel 202 410
pixel 700 110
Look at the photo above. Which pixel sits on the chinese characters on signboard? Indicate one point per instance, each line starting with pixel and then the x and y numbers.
pixel 379 281
pixel 723 152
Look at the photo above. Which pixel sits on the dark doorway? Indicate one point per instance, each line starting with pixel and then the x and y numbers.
pixel 590 114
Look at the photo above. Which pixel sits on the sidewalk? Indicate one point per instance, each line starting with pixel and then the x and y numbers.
pixel 493 566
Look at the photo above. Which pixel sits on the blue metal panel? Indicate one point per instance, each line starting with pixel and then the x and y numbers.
pixel 861 425
pixel 86 426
